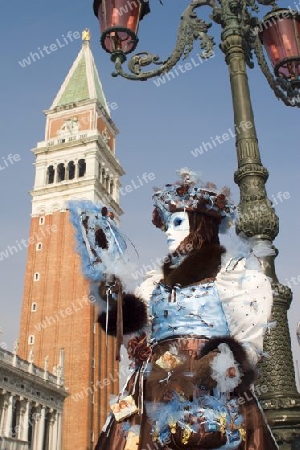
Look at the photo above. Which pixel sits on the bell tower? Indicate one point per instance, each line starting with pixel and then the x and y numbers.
pixel 76 161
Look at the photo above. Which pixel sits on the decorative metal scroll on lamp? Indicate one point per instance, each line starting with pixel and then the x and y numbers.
pixel 278 33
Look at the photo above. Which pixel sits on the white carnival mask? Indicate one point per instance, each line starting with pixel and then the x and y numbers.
pixel 178 228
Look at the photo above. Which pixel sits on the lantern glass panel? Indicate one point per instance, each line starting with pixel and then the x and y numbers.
pixel 119 20
pixel 280 37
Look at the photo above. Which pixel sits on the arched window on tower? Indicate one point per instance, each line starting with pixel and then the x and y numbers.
pixel 61 172
pixel 81 167
pixel 50 175
pixel 71 170
pixel 36 276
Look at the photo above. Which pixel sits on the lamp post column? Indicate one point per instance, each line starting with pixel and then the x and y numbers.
pixel 258 221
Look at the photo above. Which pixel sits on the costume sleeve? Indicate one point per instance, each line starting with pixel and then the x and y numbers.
pixel 133 308
pixel 146 288
pixel 246 296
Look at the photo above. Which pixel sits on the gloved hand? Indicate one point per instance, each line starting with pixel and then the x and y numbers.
pixel 108 289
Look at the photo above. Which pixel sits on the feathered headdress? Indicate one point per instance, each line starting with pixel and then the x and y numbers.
pixel 99 241
pixel 191 194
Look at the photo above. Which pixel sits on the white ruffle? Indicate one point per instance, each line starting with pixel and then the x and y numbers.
pixel 252 353
pixel 122 269
pixel 262 248
pixel 240 246
pixel 246 296
pixel 220 365
pixel 146 288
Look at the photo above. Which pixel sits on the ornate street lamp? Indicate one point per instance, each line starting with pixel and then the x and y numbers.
pixel 119 21
pixel 279 32
pixel 242 36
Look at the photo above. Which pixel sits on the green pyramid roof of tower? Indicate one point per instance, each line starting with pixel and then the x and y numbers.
pixel 82 81
pixel 77 89
pixel 99 91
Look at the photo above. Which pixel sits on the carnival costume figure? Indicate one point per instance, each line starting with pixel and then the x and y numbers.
pixel 194 333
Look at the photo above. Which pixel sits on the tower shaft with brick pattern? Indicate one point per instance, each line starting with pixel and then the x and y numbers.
pixel 58 321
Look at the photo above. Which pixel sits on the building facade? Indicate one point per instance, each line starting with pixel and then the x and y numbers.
pixel 31 404
pixel 76 161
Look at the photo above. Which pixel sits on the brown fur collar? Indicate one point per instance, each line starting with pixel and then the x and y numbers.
pixel 198 265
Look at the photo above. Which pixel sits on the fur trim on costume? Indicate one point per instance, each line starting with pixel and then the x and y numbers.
pixel 198 265
pixel 240 357
pixel 134 316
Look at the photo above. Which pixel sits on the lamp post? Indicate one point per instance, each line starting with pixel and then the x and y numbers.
pixel 242 36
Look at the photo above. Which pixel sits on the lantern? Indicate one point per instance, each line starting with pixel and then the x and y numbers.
pixel 280 35
pixel 119 21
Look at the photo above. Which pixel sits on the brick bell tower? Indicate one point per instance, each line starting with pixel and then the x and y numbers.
pixel 58 321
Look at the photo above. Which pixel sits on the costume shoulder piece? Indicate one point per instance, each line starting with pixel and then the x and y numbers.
pixel 246 296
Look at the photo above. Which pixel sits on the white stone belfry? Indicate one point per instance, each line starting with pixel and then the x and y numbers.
pixel 77 158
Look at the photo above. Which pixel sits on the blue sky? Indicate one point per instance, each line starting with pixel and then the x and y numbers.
pixel 159 127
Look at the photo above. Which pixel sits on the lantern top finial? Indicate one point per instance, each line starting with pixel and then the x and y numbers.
pixel 86 35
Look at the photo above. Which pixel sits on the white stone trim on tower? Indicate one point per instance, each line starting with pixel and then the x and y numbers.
pixel 49 197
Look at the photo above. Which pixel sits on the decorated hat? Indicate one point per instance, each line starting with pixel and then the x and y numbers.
pixel 191 194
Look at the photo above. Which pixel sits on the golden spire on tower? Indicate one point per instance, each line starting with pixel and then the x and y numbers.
pixel 86 35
